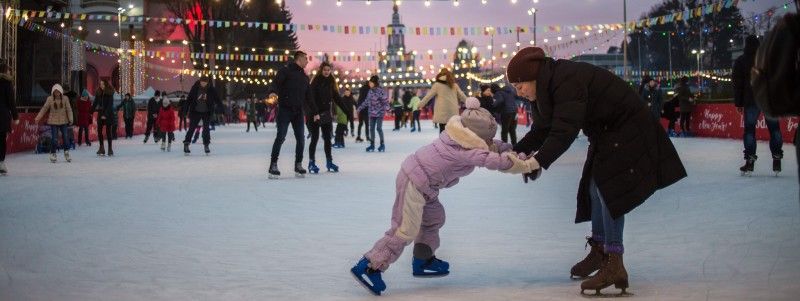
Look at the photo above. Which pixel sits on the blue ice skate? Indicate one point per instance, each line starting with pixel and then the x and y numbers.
pixel 381 148
pixel 371 148
pixel 332 167
pixel 433 267
pixel 373 281
pixel 312 167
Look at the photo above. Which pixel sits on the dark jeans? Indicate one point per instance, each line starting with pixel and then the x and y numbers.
pixel 194 120
pixel 363 119
pixel 686 122
pixel 415 121
pixel 254 122
pixel 168 135
pixel 83 134
pixel 128 128
pixel 341 128
pixel 375 123
pixel 3 136
pixel 327 131
pixel 181 122
pixel 604 227
pixel 352 127
pixel 284 118
pixel 751 114
pixel 398 116
pixel 54 130
pixel 508 127
pixel 441 127
pixel 102 124
pixel 151 127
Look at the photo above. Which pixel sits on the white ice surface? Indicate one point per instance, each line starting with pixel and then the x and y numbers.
pixel 147 225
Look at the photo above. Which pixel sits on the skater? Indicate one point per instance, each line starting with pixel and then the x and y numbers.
pixel 166 125
pixel 343 116
pixel 416 126
pixel 128 114
pixel 182 113
pixel 59 119
pixel 651 95
pixel 104 106
pixel 407 107
pixel 777 59
pixel 397 109
pixel 671 116
pixel 292 89
pixel 505 101
pixel 486 97
pixel 629 157
pixel 378 103
pixel 84 120
pixel 8 113
pixel 448 96
pixel 417 214
pixel 325 95
pixel 686 104
pixel 201 104
pixel 363 116
pixel 746 105
pixel 252 114
pixel 152 114
pixel 261 112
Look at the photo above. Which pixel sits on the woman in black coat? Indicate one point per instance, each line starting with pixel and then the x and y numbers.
pixel 8 112
pixel 104 106
pixel 629 157
pixel 325 92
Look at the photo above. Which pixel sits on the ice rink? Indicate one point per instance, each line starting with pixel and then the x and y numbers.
pixel 148 225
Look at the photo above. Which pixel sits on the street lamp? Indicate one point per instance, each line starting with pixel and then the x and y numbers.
pixel 532 12
pixel 698 53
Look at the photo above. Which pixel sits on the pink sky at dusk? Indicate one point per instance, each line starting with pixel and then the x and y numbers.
pixel 468 13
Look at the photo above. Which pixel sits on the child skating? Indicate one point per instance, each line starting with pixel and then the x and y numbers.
pixel 166 125
pixel 417 213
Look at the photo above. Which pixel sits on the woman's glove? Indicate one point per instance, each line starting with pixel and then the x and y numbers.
pixel 519 167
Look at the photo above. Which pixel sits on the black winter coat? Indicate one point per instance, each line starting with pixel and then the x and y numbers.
pixel 742 90
pixel 152 108
pixel 505 100
pixel 362 96
pixel 8 110
pixel 104 104
pixel 214 103
pixel 292 86
pixel 630 155
pixel 349 104
pixel 325 95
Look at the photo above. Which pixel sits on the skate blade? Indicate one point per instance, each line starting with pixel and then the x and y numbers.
pixel 273 177
pixel 601 295
pixel 299 175
pixel 365 284
pixel 431 275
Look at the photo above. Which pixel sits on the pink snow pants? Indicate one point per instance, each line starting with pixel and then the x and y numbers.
pixel 415 218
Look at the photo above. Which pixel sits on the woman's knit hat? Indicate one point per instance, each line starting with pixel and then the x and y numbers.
pixel 479 120
pixel 524 66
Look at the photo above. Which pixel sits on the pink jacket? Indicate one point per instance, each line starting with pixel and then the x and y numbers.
pixel 455 154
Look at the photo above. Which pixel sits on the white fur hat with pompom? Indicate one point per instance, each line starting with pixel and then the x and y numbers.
pixel 478 120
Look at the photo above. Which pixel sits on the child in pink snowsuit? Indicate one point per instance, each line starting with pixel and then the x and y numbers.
pixel 417 215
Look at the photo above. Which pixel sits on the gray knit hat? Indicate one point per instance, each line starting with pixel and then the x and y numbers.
pixel 479 120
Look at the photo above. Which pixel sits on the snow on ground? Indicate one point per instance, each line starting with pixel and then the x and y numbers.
pixel 147 225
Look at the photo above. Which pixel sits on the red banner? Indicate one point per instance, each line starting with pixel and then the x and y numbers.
pixel 723 121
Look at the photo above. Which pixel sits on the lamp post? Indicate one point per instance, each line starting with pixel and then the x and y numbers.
pixel 697 54
pixel 532 12
pixel 120 11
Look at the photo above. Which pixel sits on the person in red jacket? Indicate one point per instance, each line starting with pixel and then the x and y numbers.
pixel 166 124
pixel 84 118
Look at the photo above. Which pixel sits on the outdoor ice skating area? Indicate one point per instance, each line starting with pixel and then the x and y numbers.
pixel 149 225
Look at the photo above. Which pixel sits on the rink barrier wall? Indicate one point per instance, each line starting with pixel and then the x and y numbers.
pixel 708 120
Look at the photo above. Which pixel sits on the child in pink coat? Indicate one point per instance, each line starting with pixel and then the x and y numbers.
pixel 467 142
